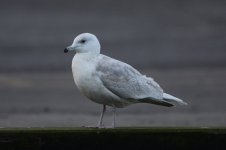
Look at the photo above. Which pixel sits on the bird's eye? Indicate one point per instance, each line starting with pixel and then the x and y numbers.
pixel 82 41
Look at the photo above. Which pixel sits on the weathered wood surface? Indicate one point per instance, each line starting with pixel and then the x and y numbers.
pixel 130 138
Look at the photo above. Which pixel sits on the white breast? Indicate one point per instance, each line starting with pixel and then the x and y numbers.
pixel 83 69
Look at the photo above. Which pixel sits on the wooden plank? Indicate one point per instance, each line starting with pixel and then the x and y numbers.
pixel 129 138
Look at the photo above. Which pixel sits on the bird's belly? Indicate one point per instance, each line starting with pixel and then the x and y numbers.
pixel 92 87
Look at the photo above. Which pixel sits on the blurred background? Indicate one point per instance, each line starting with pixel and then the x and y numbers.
pixel 181 44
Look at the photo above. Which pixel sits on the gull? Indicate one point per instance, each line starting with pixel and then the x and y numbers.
pixel 111 82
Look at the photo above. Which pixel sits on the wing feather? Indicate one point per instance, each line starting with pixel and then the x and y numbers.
pixel 125 81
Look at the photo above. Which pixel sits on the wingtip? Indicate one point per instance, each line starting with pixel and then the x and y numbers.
pixel 173 99
pixel 183 103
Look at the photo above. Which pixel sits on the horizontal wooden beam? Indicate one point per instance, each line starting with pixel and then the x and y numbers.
pixel 129 138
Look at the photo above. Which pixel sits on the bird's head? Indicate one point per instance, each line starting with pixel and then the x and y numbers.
pixel 84 43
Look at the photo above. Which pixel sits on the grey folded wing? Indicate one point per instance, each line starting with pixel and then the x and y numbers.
pixel 126 82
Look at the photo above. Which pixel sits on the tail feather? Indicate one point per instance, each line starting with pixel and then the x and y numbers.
pixel 170 98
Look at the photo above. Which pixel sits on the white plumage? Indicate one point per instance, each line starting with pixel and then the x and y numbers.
pixel 111 82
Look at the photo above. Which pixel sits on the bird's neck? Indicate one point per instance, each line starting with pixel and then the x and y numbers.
pixel 85 56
